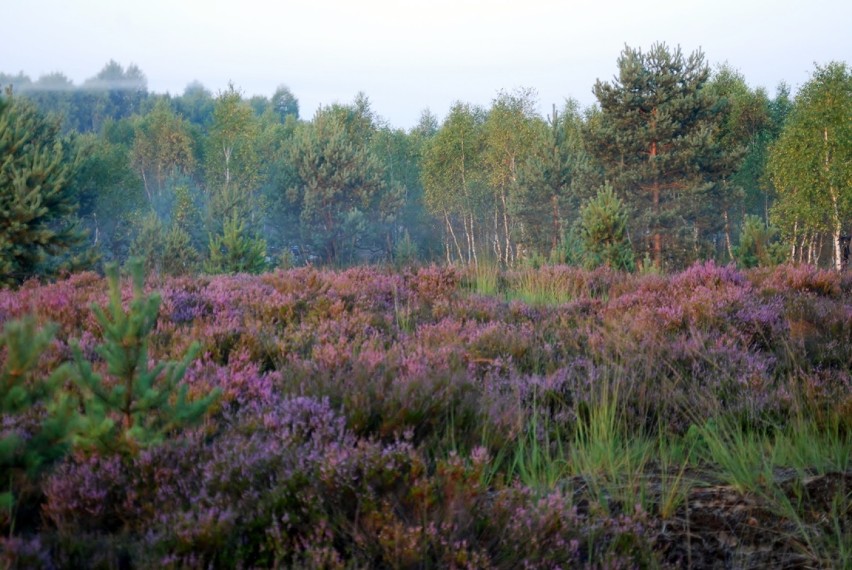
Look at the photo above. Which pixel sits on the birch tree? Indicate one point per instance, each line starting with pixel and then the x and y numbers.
pixel 453 180
pixel 811 162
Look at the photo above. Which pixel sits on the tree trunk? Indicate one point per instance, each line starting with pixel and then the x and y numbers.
pixel 812 249
pixel 658 238
pixel 498 249
pixel 508 252
pixel 795 237
pixel 453 234
pixel 557 226
pixel 820 244
pixel 838 262
pixel 838 259
pixel 728 244
pixel 473 242
pixel 226 151
pixel 147 189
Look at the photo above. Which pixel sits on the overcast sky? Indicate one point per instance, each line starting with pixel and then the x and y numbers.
pixel 409 55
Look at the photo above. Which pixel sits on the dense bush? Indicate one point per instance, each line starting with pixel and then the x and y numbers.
pixel 368 418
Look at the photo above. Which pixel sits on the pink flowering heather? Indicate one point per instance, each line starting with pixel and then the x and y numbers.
pixel 369 418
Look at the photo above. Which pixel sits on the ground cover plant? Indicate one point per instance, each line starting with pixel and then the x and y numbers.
pixel 430 418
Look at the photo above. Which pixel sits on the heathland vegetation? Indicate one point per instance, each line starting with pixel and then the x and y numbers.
pixel 609 338
pixel 431 418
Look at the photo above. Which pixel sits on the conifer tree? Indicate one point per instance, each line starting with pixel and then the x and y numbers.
pixel 339 183
pixel 758 246
pixel 36 198
pixel 36 424
pixel 236 252
pixel 603 232
pixel 136 405
pixel 655 139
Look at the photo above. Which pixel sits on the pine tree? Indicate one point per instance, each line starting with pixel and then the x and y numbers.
pixel 758 245
pixel 655 138
pixel 339 183
pixel 602 229
pixel 36 198
pixel 236 252
pixel 36 424
pixel 137 405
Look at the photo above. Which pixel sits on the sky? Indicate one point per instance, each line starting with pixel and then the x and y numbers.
pixel 410 55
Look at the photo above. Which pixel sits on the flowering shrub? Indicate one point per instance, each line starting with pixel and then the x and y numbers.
pixel 365 416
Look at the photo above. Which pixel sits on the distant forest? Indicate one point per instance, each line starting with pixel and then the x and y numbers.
pixel 677 161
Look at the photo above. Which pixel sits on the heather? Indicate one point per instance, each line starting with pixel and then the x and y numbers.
pixel 463 418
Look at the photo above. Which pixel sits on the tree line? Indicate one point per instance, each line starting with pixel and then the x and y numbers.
pixel 676 162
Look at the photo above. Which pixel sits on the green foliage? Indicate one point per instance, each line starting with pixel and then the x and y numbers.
pixel 135 405
pixel 402 216
pixel 553 178
pixel 113 93
pixel 570 249
pixel 186 215
pixel 339 182
pixel 602 229
pixel 453 177
pixel 179 255
pixel 232 160
pixel 811 162
pixel 234 251
pixel 512 134
pixel 36 198
pixel 36 423
pixel 284 103
pixel 655 138
pixel 758 246
pixel 162 148
pixel 743 130
pixel 108 189
pixel 405 251
pixel 166 249
pixel 148 243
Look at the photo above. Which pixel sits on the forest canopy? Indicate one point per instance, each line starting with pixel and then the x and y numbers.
pixel 677 161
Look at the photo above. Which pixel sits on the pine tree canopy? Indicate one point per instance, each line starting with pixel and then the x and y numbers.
pixel 655 138
pixel 36 198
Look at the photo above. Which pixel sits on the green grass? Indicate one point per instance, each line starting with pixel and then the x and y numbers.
pixel 484 279
pixel 531 287
pixel 539 458
pixel 536 288
pixel 596 457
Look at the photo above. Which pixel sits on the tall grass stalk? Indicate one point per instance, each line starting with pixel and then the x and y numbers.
pixel 611 462
pixel 538 288
pixel 826 541
pixel 805 446
pixel 674 486
pixel 402 313
pixel 485 279
pixel 744 458
pixel 539 459
pixel 750 460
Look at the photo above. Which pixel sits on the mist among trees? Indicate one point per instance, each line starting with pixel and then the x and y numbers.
pixel 677 161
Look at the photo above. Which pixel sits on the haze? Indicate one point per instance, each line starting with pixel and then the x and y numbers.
pixel 409 55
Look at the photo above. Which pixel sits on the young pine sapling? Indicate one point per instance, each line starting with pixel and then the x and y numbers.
pixel 137 405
